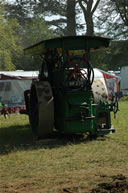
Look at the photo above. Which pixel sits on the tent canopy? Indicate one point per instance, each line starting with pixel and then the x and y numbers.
pixel 19 74
pixel 12 87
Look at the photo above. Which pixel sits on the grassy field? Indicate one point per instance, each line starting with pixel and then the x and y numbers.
pixel 61 164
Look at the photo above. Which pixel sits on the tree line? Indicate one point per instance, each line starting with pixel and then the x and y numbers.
pixel 25 22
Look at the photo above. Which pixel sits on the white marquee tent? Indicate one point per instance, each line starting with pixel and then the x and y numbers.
pixel 12 87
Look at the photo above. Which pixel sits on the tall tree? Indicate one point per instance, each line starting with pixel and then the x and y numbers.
pixel 122 8
pixel 89 7
pixel 61 14
pixel 54 13
pixel 71 17
pixel 21 10
pixel 9 41
pixel 109 22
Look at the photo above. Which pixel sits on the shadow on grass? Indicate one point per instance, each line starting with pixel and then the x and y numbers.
pixel 14 137
pixel 19 138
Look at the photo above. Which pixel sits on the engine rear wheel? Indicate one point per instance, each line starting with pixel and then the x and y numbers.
pixel 41 112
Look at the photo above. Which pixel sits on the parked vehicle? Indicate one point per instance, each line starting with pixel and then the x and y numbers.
pixel 110 81
pixel 63 96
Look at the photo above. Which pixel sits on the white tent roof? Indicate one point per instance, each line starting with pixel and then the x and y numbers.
pixel 19 74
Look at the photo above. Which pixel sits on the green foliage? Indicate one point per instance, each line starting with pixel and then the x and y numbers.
pixel 31 29
pixel 98 59
pixel 118 54
pixel 125 98
pixel 34 30
pixel 111 58
pixel 10 43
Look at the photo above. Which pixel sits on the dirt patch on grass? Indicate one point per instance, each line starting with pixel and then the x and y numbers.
pixel 119 184
pixel 116 184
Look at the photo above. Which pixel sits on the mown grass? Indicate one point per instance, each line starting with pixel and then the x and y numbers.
pixel 55 164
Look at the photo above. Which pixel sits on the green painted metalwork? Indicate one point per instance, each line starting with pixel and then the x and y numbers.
pixel 71 75
pixel 68 43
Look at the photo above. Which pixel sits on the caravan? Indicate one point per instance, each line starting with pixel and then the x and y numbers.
pixel 109 81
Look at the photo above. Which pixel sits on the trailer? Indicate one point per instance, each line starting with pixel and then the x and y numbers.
pixel 63 97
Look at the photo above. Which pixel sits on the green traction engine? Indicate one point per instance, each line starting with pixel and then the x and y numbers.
pixel 65 96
